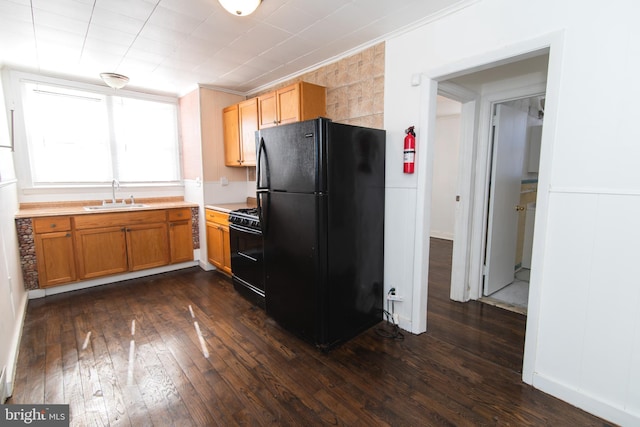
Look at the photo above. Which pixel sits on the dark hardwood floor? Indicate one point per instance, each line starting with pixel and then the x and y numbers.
pixel 130 354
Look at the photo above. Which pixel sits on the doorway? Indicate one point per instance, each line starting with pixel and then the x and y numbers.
pixel 467 259
pixel 516 129
pixel 479 93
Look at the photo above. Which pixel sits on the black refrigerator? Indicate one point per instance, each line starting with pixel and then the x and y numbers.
pixel 320 191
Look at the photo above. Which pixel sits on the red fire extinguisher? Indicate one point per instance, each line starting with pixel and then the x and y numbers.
pixel 409 150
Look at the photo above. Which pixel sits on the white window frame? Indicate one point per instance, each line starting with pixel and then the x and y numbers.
pixel 14 96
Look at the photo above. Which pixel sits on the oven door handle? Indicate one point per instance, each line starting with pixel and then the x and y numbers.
pixel 242 254
pixel 242 229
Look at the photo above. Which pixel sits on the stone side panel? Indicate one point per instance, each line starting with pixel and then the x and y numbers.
pixel 195 227
pixel 26 241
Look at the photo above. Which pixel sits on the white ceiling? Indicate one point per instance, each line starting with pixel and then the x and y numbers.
pixel 172 45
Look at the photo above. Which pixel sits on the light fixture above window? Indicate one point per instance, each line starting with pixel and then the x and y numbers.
pixel 114 80
pixel 240 7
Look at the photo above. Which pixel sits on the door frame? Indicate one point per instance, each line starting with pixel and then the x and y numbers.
pixel 491 165
pixel 484 168
pixel 466 255
pixel 474 165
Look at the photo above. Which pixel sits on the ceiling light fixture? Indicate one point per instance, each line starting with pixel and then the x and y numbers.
pixel 114 80
pixel 240 7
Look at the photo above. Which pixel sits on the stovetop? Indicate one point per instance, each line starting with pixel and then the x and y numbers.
pixel 247 217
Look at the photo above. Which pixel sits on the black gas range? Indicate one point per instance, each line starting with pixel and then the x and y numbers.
pixel 245 217
pixel 247 256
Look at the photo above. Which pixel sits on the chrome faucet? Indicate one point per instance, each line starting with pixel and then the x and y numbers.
pixel 114 185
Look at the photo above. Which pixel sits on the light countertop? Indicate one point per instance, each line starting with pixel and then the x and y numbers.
pixel 34 210
pixel 228 207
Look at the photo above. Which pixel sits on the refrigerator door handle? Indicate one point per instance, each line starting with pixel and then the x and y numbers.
pixel 264 220
pixel 262 148
pixel 260 189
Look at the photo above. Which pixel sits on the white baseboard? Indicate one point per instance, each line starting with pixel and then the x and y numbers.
pixel 441 235
pixel 40 293
pixel 14 346
pixel 206 266
pixel 584 401
pixel 3 385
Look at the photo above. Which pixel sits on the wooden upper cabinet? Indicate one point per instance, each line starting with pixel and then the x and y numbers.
pixel 289 104
pixel 231 134
pixel 240 121
pixel 293 103
pixel 268 110
pixel 248 119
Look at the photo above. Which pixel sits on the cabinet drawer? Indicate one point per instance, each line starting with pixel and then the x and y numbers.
pixel 52 223
pixel 217 217
pixel 119 219
pixel 179 214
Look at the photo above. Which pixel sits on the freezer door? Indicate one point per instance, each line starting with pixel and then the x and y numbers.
pixel 293 267
pixel 289 157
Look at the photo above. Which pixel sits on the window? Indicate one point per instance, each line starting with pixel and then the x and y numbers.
pixel 83 137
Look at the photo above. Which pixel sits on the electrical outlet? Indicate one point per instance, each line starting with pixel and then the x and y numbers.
pixel 394 297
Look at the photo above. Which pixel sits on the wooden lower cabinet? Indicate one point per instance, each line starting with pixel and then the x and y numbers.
pixel 112 250
pixel 180 235
pixel 113 243
pixel 218 243
pixel 181 241
pixel 82 247
pixel 56 258
pixel 101 251
pixel 147 246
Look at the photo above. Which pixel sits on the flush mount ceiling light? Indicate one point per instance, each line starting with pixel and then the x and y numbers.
pixel 114 80
pixel 240 7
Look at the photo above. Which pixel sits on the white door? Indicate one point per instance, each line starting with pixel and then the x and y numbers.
pixel 509 143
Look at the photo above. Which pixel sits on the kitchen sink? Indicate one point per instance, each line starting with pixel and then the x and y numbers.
pixel 107 206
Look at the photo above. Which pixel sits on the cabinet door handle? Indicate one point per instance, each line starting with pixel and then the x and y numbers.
pixel 67 235
pixel 53 226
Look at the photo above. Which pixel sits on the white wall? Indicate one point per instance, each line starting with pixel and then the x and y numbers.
pixel 13 298
pixel 445 168
pixel 583 331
